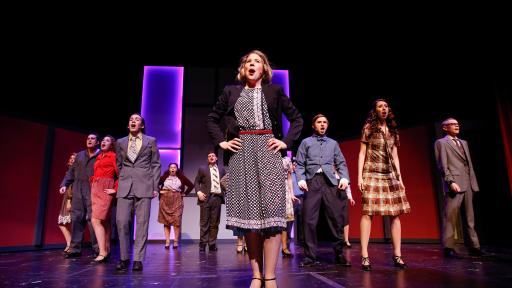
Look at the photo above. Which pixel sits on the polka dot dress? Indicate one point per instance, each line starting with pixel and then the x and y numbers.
pixel 255 198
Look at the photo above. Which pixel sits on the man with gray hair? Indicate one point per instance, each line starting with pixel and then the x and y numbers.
pixel 454 163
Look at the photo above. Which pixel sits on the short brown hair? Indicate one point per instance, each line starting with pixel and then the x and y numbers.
pixel 318 116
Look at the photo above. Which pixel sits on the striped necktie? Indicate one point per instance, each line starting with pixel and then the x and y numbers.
pixel 215 180
pixel 132 149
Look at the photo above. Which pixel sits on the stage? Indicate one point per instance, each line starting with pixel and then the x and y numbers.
pixel 187 267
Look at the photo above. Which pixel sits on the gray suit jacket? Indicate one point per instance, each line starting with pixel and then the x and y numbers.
pixel 453 166
pixel 140 176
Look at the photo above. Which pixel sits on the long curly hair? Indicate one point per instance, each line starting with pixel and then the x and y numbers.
pixel 372 122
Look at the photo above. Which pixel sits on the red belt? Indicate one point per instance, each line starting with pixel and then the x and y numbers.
pixel 255 132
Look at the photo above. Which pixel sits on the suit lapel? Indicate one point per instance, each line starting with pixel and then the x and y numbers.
pixel 124 146
pixel 466 149
pixel 233 98
pixel 208 178
pixel 269 98
pixel 145 142
pixel 454 146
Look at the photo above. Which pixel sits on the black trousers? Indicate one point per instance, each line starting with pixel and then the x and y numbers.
pixel 322 190
pixel 209 219
pixel 299 227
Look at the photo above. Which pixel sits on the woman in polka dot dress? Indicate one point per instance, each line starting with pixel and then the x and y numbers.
pixel 253 140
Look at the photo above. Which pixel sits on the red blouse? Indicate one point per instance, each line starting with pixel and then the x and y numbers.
pixel 106 167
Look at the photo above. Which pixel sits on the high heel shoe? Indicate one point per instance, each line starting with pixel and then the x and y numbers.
pixel 66 250
pixel 365 264
pixel 399 262
pixel 104 259
pixel 239 248
pixel 286 252
pixel 175 245
pixel 167 244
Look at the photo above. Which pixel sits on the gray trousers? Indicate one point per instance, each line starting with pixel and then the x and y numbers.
pixel 124 219
pixel 81 210
pixel 452 204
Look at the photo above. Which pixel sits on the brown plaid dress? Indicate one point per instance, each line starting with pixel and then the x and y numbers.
pixel 382 194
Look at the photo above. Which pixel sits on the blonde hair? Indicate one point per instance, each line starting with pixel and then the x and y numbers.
pixel 267 70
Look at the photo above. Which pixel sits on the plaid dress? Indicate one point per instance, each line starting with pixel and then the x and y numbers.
pixel 382 194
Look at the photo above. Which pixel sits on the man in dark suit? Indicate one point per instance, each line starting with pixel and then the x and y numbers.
pixel 210 196
pixel 138 161
pixel 78 175
pixel 454 163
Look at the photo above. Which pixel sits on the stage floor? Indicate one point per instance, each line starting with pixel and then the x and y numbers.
pixel 187 267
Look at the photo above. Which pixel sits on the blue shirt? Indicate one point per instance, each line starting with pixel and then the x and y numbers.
pixel 317 152
pixel 296 188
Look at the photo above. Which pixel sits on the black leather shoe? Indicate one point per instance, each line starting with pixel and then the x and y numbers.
pixel 308 262
pixel 342 261
pixel 73 255
pixel 137 266
pixel 103 259
pixel 450 253
pixel 286 253
pixel 202 248
pixel 399 264
pixel 365 264
pixel 477 252
pixel 123 265
pixel 212 247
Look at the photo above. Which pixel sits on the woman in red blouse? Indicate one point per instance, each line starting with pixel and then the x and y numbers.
pixel 103 186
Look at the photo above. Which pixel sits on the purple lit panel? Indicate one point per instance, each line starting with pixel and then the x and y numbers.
pixel 162 98
pixel 169 156
pixel 281 77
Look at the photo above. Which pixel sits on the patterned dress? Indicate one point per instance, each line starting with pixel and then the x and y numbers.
pixel 382 194
pixel 65 213
pixel 255 199
pixel 287 165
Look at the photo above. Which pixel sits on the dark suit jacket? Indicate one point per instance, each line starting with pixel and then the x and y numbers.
pixel 140 176
pixel 277 104
pixel 453 166
pixel 203 182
